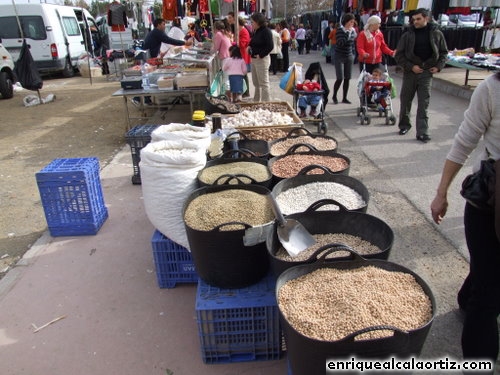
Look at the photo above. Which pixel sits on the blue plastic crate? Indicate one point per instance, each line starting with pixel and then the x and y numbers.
pixel 238 325
pixel 173 262
pixel 71 195
pixel 137 138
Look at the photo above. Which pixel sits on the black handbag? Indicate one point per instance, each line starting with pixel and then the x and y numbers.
pixel 479 188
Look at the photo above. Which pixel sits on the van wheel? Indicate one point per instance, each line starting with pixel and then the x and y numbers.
pixel 68 70
pixel 6 85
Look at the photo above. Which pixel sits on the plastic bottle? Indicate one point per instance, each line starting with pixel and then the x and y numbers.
pixel 145 77
pixel 198 118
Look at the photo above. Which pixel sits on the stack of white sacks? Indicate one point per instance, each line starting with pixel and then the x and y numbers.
pixel 169 167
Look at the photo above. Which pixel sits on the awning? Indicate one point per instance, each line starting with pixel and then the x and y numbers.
pixel 474 3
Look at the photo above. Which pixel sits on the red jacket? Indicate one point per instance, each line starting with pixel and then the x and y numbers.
pixel 244 41
pixel 374 47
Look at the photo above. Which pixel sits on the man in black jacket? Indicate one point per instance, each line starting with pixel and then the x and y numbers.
pixel 157 36
pixel 421 52
pixel 261 46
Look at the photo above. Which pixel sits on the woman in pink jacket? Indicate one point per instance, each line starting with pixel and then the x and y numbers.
pixel 371 45
pixel 221 46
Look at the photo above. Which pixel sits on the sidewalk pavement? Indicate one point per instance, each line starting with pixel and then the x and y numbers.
pixel 117 320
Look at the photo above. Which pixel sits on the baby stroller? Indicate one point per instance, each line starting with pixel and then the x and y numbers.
pixel 318 99
pixel 375 95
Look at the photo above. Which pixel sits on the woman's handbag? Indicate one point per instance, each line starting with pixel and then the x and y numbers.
pixel 479 188
pixel 326 51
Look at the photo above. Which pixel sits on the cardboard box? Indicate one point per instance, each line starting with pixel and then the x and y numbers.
pixel 93 72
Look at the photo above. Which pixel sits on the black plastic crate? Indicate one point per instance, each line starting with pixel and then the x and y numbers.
pixel 138 137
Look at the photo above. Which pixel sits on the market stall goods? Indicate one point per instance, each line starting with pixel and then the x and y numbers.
pixel 244 171
pixel 329 304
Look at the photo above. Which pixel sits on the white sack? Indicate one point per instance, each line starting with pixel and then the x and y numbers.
pixel 168 176
pixel 176 131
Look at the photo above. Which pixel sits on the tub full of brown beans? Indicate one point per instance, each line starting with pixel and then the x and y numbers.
pixel 215 218
pixel 368 235
pixel 356 308
pixel 296 194
pixel 293 162
pixel 235 171
pixel 295 136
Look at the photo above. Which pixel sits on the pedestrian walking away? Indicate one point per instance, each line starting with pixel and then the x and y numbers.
pixel 421 52
pixel 286 38
pixel 344 57
pixel 479 296
pixel 276 49
pixel 300 36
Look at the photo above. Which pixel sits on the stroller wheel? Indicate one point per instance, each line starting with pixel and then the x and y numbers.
pixel 365 120
pixel 392 119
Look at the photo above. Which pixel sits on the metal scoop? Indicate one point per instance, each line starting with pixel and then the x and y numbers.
pixel 293 235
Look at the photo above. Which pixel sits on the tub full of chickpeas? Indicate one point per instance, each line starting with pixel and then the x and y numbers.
pixel 216 218
pixel 366 234
pixel 354 308
pixel 243 170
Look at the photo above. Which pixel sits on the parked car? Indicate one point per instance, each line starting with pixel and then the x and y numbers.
pixel 7 77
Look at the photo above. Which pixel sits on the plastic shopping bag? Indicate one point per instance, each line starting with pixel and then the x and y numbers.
pixel 291 78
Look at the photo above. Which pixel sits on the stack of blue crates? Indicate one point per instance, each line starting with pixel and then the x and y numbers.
pixel 137 138
pixel 238 325
pixel 71 195
pixel 173 262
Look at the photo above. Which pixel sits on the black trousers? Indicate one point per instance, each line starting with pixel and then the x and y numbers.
pixel 482 306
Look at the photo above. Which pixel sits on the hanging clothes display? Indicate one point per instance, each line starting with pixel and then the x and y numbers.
pixel 427 4
pixel 214 7
pixel 411 5
pixel 117 16
pixel 169 10
pixel 203 7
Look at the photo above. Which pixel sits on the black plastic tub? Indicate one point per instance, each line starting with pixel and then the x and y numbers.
pixel 238 140
pixel 235 178
pixel 301 135
pixel 307 356
pixel 220 257
pixel 303 179
pixel 365 226
pixel 298 160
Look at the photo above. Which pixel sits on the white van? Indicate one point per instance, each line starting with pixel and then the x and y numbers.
pixel 51 31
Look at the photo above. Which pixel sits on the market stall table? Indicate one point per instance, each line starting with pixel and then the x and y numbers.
pixel 467 67
pixel 191 94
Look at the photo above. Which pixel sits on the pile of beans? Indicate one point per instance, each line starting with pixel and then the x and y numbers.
pixel 210 210
pixel 299 198
pixel 256 171
pixel 260 117
pixel 356 243
pixel 329 304
pixel 268 134
pixel 290 165
pixel 320 143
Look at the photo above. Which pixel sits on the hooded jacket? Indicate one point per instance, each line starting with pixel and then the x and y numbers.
pixel 374 45
pixel 406 58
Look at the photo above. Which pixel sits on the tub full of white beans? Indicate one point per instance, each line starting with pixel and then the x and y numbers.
pixel 293 162
pixel 280 146
pixel 235 171
pixel 297 193
pixel 366 234
pixel 216 218
pixel 356 308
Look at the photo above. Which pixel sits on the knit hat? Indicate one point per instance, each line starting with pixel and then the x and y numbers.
pixel 373 20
